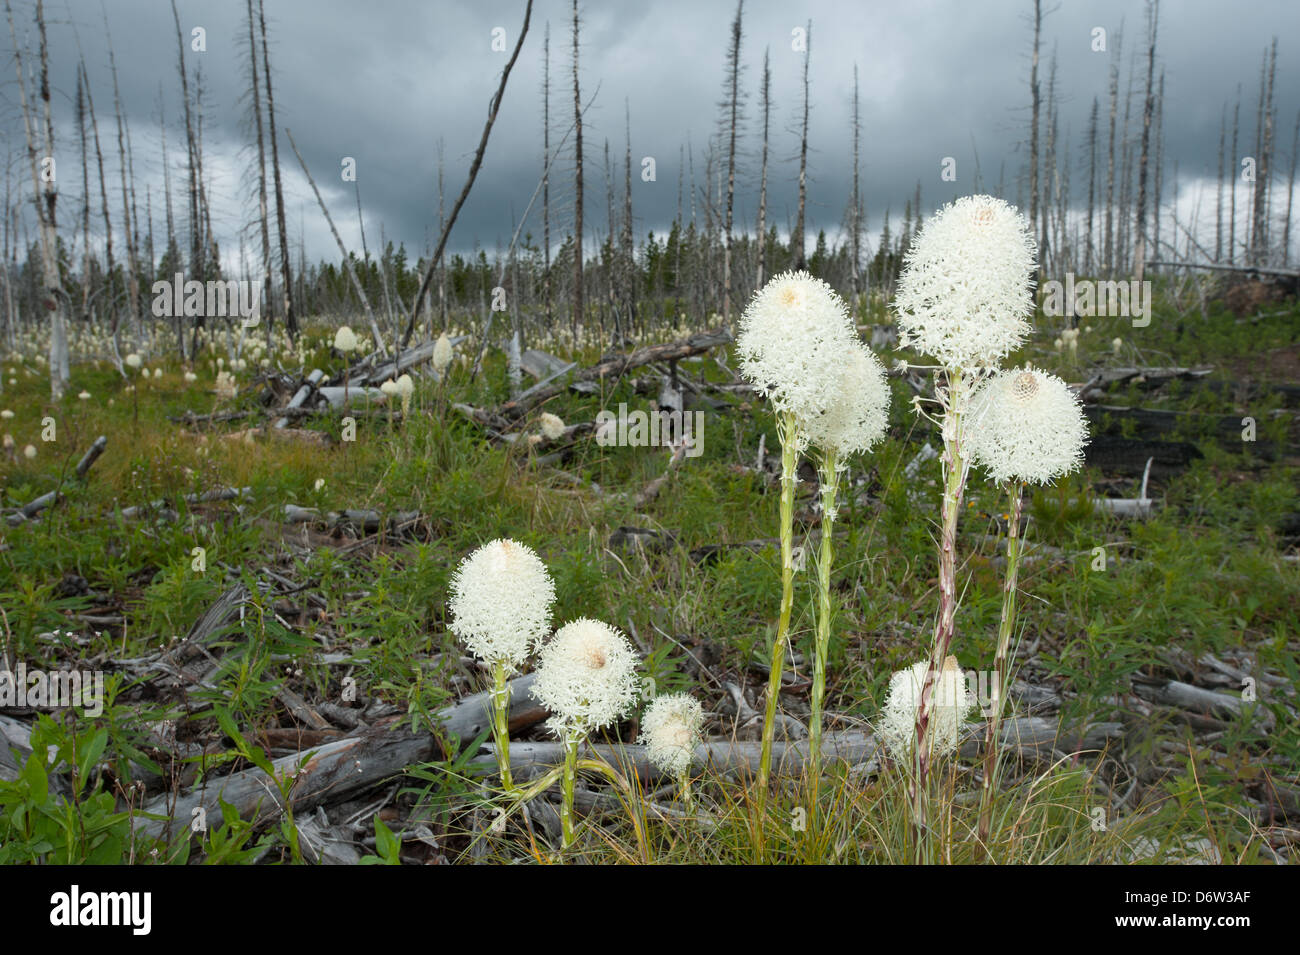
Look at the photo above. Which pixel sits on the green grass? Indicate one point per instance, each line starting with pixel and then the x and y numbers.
pixel 1205 575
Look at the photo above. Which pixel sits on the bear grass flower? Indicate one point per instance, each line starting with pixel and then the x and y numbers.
pixel 586 677
pixel 1026 427
pixel 132 360
pixel 345 340
pixel 670 731
pixel 552 426
pixel 791 341
pixel 442 354
pixel 964 295
pixel 859 418
pixel 501 596
pixel 951 705
pixel 405 388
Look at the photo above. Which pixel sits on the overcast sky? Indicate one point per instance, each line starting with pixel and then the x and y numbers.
pixel 384 81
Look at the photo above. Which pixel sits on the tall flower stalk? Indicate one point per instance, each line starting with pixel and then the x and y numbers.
pixel 788 429
pixel 964 297
pixel 1027 427
pixel 791 342
pixel 851 425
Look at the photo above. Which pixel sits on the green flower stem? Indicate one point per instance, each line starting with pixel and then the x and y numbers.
pixel 1000 661
pixel 501 723
pixel 571 741
pixel 684 788
pixel 789 431
pixel 829 473
pixel 955 469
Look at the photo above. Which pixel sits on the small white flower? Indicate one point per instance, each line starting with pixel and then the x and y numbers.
pixel 964 294
pixel 345 340
pixel 133 360
pixel 586 677
pixel 1116 344
pixel 552 425
pixel 442 354
pixel 320 483
pixel 405 388
pixel 190 376
pixel 389 388
pixel 6 414
pixel 500 604
pixel 1026 425
pixel 29 452
pixel 670 731
pixel 83 395
pixel 950 704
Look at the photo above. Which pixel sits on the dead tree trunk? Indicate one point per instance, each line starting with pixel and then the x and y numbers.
pixel 1148 107
pixel 45 193
pixel 546 176
pixel 1108 251
pixel 577 182
pixel 733 110
pixel 267 308
pixel 286 276
pixel 762 182
pixel 797 239
pixel 1034 104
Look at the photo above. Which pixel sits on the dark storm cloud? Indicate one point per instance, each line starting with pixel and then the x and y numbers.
pixel 384 82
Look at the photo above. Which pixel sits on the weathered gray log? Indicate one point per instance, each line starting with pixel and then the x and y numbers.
pixel 540 364
pixel 618 365
pixel 355 395
pixel 220 494
pixel 1030 737
pixel 408 359
pixel 302 395
pixel 36 505
pixel 91 456
pixel 336 769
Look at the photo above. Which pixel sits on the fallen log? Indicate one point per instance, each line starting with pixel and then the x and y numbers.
pixel 35 506
pixel 335 769
pixel 618 365
pixel 302 395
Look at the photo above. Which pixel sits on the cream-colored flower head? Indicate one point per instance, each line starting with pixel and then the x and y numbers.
pixel 1026 425
pixel 83 395
pixel 389 388
pixel 29 452
pixel 964 295
pixel 586 677
pixel 791 341
pixel 670 731
pixel 405 388
pixel 441 354
pixel 500 604
pixel 950 701
pixel 345 340
pixel 859 418
pixel 552 425
pixel 132 360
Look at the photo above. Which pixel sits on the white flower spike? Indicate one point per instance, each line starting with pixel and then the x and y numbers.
pixel 964 295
